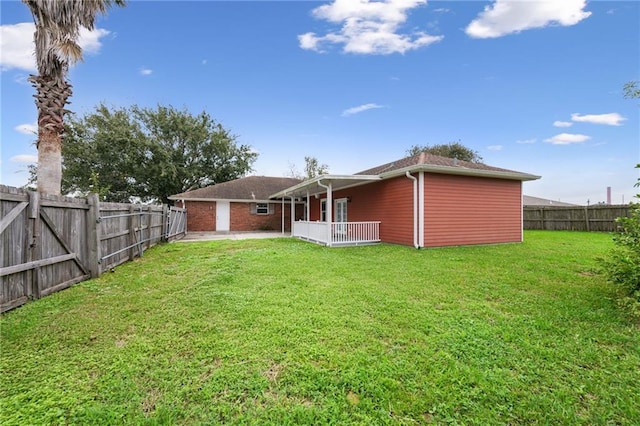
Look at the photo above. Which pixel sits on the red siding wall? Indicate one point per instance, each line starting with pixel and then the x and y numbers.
pixel 201 217
pixel 462 210
pixel 389 201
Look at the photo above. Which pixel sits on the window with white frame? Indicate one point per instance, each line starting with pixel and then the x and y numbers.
pixel 323 210
pixel 262 208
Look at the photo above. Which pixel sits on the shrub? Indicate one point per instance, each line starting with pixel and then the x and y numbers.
pixel 623 265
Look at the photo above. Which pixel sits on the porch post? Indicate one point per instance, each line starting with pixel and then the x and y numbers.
pixel 282 220
pixel 329 214
pixel 421 209
pixel 308 207
pixel 293 212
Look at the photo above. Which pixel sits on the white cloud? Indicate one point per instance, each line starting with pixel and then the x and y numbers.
pixel 367 27
pixel 146 71
pixel 512 16
pixel 559 123
pixel 567 139
pixel 610 119
pixel 494 147
pixel 441 10
pixel 360 108
pixel 527 141
pixel 90 40
pixel 27 129
pixel 16 43
pixel 24 158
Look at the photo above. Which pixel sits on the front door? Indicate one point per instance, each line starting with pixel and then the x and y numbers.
pixel 223 215
pixel 341 216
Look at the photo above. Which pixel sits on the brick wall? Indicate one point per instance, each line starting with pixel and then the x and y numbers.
pixel 201 217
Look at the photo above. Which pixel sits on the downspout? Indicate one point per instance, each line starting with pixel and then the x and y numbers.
pixel 293 212
pixel 415 209
pixel 282 219
pixel 329 210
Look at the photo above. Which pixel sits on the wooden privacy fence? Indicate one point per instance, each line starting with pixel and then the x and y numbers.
pixel 600 218
pixel 50 243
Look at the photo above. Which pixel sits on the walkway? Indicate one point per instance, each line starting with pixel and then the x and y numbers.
pixel 210 236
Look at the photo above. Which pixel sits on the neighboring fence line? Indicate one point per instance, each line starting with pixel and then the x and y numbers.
pixel 50 243
pixel 601 218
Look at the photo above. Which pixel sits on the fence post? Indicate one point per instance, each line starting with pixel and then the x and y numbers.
pixel 132 231
pixel 32 286
pixel 165 223
pixel 93 235
pixel 586 217
pixel 149 223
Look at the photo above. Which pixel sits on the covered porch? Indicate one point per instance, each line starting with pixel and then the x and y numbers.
pixel 333 228
pixel 335 234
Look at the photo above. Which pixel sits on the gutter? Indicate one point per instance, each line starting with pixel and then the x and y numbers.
pixel 463 171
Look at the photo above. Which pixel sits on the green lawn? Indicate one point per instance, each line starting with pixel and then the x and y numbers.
pixel 286 332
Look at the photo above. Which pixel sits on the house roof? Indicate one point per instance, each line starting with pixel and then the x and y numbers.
pixel 438 164
pixel 257 188
pixel 528 200
pixel 416 163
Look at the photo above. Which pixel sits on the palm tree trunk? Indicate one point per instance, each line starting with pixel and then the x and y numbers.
pixel 49 161
pixel 51 97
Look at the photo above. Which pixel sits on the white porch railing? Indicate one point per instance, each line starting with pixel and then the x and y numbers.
pixel 342 233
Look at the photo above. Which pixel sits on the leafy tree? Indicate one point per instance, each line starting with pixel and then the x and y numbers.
pixel 58 26
pixel 312 169
pixel 622 267
pixel 631 90
pixel 150 154
pixel 449 150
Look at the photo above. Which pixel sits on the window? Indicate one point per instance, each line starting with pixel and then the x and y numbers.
pixel 323 210
pixel 262 208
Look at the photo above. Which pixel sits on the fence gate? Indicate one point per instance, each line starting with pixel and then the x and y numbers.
pixel 176 223
pixel 43 238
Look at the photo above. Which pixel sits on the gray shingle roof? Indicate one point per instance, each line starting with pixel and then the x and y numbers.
pixel 528 200
pixel 247 188
pixel 429 159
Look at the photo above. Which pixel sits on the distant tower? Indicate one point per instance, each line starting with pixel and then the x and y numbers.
pixel 608 195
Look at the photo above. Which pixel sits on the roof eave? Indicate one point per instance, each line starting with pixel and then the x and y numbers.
pixel 312 182
pixel 461 171
pixel 232 200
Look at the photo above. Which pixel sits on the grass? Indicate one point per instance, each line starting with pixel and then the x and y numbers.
pixel 286 332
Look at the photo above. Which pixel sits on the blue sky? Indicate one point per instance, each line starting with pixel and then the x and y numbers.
pixel 534 86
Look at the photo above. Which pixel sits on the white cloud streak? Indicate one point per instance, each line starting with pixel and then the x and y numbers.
pixel 495 147
pixel 24 158
pixel 367 27
pixel 146 71
pixel 513 16
pixel 567 139
pixel 27 129
pixel 559 123
pixel 526 141
pixel 16 43
pixel 360 108
pixel 610 119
